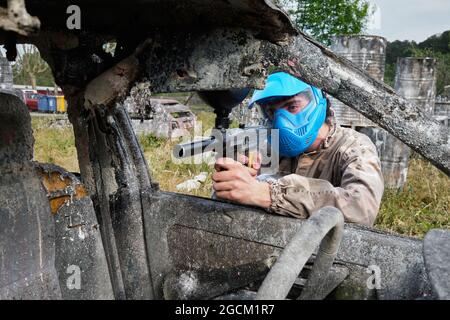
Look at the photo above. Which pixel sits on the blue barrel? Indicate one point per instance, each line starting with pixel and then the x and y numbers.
pixel 42 104
pixel 51 104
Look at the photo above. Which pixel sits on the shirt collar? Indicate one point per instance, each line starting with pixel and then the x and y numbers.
pixel 331 121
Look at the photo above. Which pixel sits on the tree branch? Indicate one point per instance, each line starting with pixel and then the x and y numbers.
pixel 342 79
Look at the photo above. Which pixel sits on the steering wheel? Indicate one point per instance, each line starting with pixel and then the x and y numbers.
pixel 325 227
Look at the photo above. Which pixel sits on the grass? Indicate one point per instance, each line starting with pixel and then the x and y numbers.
pixel 168 174
pixel 423 203
pixel 54 144
pixel 158 151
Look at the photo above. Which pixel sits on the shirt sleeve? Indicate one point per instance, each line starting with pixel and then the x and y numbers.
pixel 358 196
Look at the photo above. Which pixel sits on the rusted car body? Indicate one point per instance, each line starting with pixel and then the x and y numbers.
pixel 112 234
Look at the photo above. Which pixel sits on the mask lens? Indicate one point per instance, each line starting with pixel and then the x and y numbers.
pixel 305 99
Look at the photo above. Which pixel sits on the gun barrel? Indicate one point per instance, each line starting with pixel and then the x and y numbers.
pixel 189 149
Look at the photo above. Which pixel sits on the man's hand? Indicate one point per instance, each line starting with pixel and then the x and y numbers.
pixel 235 182
pixel 255 163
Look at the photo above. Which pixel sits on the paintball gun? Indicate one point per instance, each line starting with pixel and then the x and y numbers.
pixel 226 142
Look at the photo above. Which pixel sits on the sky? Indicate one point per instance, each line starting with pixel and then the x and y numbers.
pixel 409 19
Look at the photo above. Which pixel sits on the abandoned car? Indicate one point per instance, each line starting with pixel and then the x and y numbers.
pixel 165 118
pixel 127 239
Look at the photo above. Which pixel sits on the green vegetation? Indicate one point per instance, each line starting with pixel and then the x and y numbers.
pixel 53 144
pixel 168 174
pixel 437 46
pixel 158 151
pixel 31 69
pixel 324 19
pixel 423 203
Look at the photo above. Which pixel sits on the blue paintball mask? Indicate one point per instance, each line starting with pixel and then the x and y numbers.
pixel 297 132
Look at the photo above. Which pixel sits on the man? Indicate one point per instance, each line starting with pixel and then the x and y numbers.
pixel 321 164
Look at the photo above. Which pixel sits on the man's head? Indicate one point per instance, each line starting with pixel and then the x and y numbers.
pixel 294 107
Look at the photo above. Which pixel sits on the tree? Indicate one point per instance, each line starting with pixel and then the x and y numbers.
pixel 397 49
pixel 436 46
pixel 324 19
pixel 438 42
pixel 31 69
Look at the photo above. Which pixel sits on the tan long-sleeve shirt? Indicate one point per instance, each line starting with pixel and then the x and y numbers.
pixel 345 173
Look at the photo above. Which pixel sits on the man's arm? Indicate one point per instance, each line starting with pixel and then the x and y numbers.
pixel 358 196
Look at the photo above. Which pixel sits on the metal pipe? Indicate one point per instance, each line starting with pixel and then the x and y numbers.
pixel 324 227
